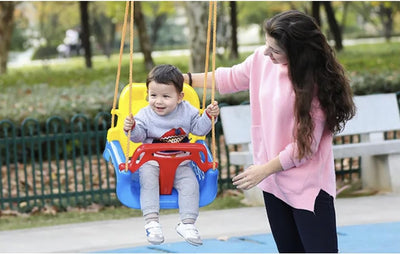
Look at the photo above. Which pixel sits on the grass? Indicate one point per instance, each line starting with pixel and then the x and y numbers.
pixel 93 213
pixel 371 58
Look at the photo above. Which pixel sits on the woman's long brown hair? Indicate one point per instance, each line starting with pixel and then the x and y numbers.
pixel 313 70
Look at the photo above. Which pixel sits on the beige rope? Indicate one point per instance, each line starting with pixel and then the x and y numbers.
pixel 130 79
pixel 210 6
pixel 213 82
pixel 121 50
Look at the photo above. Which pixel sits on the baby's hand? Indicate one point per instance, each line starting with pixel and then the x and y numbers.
pixel 213 109
pixel 129 123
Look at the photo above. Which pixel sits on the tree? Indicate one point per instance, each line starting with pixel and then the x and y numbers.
pixel 103 26
pixel 380 14
pixel 316 11
pixel 234 54
pixel 54 19
pixel 386 12
pixel 333 25
pixel 6 29
pixel 197 12
pixel 144 40
pixel 158 15
pixel 85 34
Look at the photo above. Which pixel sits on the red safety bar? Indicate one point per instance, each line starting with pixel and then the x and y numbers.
pixel 168 164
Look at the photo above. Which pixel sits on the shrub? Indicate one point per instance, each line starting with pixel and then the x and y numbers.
pixel 45 52
pixel 369 83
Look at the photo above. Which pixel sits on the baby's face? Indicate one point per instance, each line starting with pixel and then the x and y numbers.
pixel 163 98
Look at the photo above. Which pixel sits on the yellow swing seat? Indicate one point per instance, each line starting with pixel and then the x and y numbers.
pixel 127 181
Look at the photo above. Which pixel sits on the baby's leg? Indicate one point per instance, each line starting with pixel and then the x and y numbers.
pixel 150 190
pixel 188 193
pixel 149 201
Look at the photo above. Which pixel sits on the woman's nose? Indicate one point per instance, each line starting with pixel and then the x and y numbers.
pixel 267 51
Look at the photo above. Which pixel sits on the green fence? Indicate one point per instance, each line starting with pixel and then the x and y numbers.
pixel 60 163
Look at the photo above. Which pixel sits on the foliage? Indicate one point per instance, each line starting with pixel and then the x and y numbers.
pixel 45 52
pixel 67 87
pixel 370 83
pixel 256 12
pixel 54 18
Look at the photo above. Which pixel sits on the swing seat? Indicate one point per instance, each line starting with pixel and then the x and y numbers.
pixel 127 180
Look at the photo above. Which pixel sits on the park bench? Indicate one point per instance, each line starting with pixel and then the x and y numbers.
pixel 376 114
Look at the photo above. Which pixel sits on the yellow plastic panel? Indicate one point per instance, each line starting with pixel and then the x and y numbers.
pixel 139 95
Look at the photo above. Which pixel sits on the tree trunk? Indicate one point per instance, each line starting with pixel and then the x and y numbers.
pixel 316 11
pixel 333 25
pixel 6 29
pixel 144 40
pixel 85 33
pixel 386 16
pixel 197 12
pixel 233 13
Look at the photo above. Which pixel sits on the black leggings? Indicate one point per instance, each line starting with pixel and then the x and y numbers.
pixel 301 231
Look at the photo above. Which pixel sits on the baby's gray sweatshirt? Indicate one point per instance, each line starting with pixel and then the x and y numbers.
pixel 172 128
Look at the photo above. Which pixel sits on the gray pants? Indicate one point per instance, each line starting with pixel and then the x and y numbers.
pixel 185 183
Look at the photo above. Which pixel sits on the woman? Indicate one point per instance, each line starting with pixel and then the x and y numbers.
pixel 299 98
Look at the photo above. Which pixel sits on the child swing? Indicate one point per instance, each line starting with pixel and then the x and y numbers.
pixel 118 146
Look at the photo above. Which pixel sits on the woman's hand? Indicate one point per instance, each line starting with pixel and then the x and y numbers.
pixel 250 177
pixel 254 174
pixel 129 123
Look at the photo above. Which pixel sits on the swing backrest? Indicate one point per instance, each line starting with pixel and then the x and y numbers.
pixel 138 101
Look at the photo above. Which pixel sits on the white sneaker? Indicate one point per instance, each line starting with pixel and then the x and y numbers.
pixel 190 233
pixel 154 233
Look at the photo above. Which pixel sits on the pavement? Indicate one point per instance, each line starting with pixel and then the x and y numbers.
pixel 365 225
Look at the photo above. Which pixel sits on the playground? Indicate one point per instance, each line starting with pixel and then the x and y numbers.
pixel 365 225
pixel 368 224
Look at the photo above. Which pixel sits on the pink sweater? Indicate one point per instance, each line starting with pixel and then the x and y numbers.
pixel 271 101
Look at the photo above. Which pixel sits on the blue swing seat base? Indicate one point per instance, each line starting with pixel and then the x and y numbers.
pixel 128 185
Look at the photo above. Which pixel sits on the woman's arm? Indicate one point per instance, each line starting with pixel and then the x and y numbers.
pixel 198 79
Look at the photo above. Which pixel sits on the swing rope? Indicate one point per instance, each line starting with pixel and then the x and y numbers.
pixel 213 145
pixel 212 4
pixel 130 78
pixel 121 49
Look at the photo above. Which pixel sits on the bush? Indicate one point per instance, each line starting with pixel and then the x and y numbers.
pixel 369 83
pixel 45 53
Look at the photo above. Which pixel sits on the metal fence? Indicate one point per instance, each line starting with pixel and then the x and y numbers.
pixel 60 163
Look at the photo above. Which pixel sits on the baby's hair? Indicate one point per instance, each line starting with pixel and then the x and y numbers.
pixel 166 74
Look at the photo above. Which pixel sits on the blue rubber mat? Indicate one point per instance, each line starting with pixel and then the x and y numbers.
pixel 369 238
